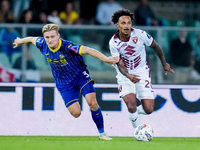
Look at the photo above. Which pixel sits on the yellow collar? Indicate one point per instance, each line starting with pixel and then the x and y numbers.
pixel 59 45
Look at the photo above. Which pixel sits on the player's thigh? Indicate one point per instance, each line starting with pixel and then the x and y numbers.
pixel 148 105
pixel 69 95
pixel 75 109
pixel 85 85
pixel 145 93
pixel 144 89
pixel 125 87
pixel 130 101
pixel 71 100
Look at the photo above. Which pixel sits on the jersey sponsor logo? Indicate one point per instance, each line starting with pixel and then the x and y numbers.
pixel 47 54
pixel 123 45
pixel 58 62
pixel 135 39
pixel 129 50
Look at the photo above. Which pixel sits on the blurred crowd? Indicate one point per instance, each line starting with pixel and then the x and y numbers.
pixel 65 12
pixel 96 12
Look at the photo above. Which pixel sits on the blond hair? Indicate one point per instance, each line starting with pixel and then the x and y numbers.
pixel 50 27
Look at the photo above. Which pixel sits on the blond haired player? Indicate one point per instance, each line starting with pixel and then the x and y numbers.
pixel 70 71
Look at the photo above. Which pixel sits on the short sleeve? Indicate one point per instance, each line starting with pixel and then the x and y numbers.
pixel 113 50
pixel 77 48
pixel 148 39
pixel 39 42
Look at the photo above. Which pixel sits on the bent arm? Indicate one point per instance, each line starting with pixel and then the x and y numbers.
pixel 161 56
pixel 18 41
pixel 122 68
pixel 134 78
pixel 159 53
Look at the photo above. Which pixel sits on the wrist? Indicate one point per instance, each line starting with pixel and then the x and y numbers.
pixel 164 64
pixel 127 75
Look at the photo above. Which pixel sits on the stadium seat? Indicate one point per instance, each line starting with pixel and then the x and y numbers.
pixel 75 39
pixel 93 63
pixel 192 38
pixel 178 23
pixel 93 45
pixel 38 58
pixel 107 66
pixel 164 42
pixel 195 23
pixel 4 60
pixel 15 56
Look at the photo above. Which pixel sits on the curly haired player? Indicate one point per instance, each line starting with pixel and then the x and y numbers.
pixel 133 72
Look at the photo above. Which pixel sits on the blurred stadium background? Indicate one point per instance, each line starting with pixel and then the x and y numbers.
pixel 37 108
pixel 175 15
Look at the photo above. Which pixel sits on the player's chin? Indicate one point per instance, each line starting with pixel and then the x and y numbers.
pixel 51 46
pixel 126 32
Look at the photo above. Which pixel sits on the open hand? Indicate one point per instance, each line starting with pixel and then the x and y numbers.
pixel 113 60
pixel 134 78
pixel 16 42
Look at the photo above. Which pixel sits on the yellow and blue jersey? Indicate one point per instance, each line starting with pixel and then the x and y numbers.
pixel 66 60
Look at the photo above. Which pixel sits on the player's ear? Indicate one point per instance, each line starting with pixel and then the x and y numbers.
pixel 59 35
pixel 117 24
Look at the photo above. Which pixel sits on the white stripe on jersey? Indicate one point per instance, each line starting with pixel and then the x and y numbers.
pixel 132 52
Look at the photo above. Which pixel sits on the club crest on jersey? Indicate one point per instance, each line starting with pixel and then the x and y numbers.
pixel 62 56
pixel 135 39
pixel 120 88
pixel 62 59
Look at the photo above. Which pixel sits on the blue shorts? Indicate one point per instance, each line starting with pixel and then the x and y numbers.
pixel 82 83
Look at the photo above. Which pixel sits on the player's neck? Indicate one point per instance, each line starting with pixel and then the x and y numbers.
pixel 56 46
pixel 124 37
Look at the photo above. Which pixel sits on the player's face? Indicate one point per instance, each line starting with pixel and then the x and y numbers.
pixel 52 38
pixel 124 25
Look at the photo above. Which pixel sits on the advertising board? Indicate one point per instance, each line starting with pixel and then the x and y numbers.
pixel 31 109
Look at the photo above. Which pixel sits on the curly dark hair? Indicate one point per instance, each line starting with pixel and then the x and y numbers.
pixel 121 12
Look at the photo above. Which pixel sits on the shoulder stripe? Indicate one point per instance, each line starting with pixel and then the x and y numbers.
pixel 35 41
pixel 80 50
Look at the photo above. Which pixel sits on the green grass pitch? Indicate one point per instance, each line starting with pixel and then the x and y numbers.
pixel 93 143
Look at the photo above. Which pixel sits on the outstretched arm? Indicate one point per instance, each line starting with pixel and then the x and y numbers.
pixel 18 41
pixel 160 54
pixel 99 55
